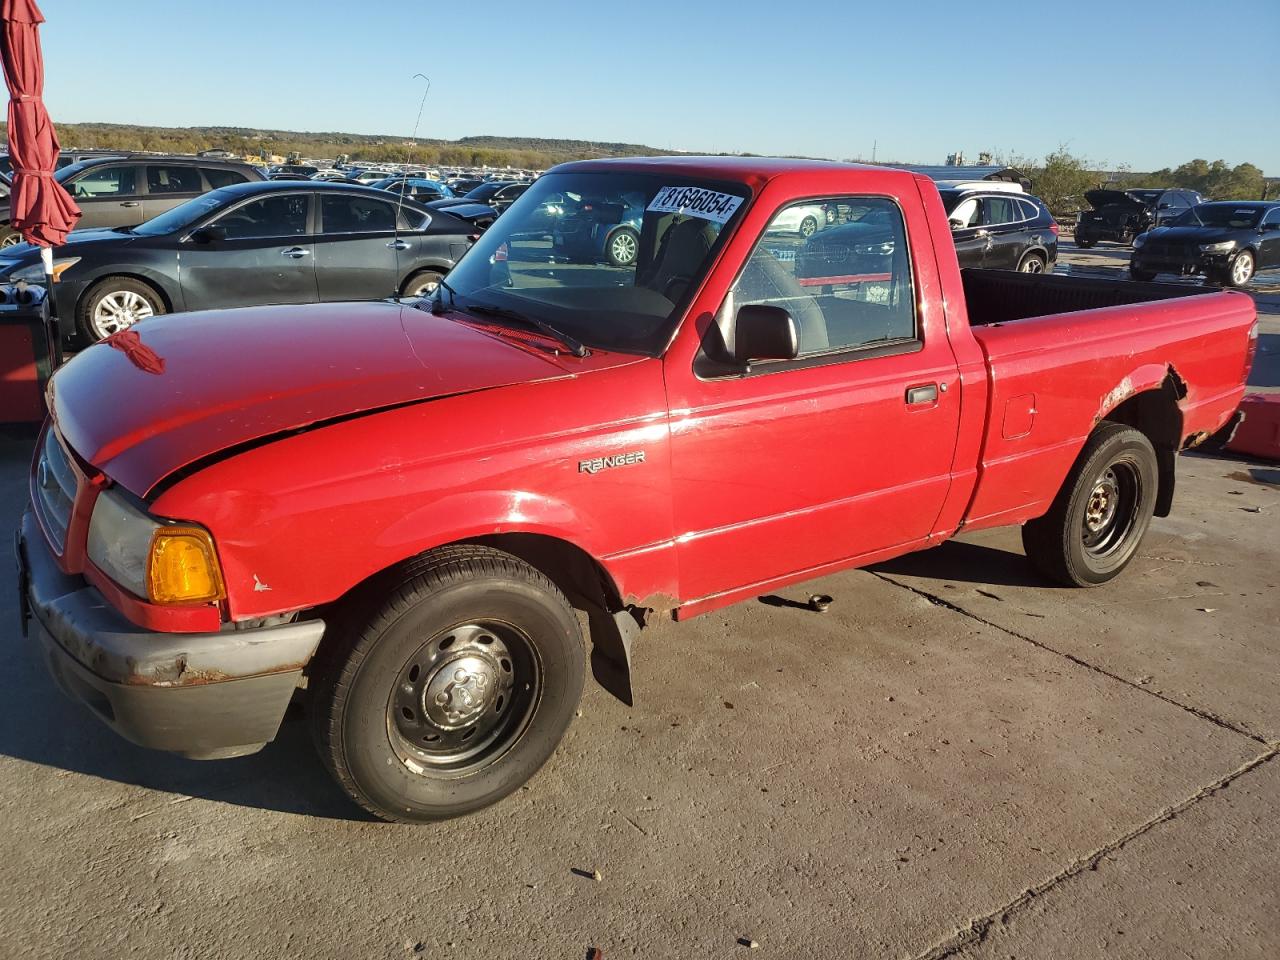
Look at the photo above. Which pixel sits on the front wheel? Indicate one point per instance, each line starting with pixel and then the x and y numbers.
pixel 453 691
pixel 622 248
pixel 808 227
pixel 115 304
pixel 1100 515
pixel 1241 270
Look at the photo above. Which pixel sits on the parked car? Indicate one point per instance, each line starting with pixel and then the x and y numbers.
pixel 805 220
pixel 597 227
pixel 392 515
pixel 65 158
pixel 461 186
pixel 1120 215
pixel 478 215
pixel 1227 241
pixel 125 191
pixel 415 188
pixel 329 175
pixel 253 243
pixel 1000 230
pixel 301 170
pixel 497 194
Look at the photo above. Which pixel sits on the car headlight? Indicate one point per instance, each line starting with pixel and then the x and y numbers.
pixel 1139 240
pixel 35 272
pixel 1222 247
pixel 164 563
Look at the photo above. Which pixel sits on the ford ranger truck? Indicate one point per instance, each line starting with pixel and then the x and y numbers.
pixel 398 511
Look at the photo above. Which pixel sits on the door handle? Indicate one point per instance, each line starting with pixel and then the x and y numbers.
pixel 295 253
pixel 129 203
pixel 924 394
pixel 397 245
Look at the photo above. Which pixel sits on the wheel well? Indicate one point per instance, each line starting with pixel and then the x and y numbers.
pixel 428 268
pixel 1156 414
pixel 147 281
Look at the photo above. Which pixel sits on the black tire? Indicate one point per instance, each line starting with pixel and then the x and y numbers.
pixel 372 699
pixel 413 286
pixel 1059 543
pixel 1143 276
pixel 1033 263
pixel 9 237
pixel 1240 272
pixel 622 247
pixel 88 317
pixel 1085 244
pixel 808 227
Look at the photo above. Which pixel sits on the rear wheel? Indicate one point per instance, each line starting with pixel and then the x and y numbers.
pixel 1032 263
pixel 1100 515
pixel 622 247
pixel 808 227
pixel 115 304
pixel 422 284
pixel 456 689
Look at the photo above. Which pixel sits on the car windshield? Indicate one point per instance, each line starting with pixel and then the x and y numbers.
pixel 1145 196
pixel 1220 215
pixel 184 215
pixel 609 258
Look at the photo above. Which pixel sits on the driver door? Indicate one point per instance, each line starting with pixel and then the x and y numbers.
pixel 266 256
pixel 967 232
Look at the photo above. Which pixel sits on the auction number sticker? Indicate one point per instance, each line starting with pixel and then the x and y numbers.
pixel 696 202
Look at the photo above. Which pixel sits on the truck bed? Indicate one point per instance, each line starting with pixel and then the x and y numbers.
pixel 1063 353
pixel 1002 296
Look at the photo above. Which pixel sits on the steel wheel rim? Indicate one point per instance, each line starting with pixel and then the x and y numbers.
pixel 464 698
pixel 623 247
pixel 120 310
pixel 1110 511
pixel 1242 269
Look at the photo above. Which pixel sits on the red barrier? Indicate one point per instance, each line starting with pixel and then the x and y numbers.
pixel 1259 434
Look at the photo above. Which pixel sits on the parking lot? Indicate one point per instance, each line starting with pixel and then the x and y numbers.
pixel 955 760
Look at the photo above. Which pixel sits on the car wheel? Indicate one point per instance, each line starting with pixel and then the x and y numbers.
pixel 424 283
pixel 454 690
pixel 1100 515
pixel 808 227
pixel 1085 244
pixel 115 304
pixel 1241 270
pixel 1032 263
pixel 831 216
pixel 9 237
pixel 1144 276
pixel 622 247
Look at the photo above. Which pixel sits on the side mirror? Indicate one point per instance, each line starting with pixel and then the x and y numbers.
pixel 762 332
pixel 209 234
pixel 956 224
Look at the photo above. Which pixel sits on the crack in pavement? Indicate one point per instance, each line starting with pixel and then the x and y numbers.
pixel 1194 711
pixel 976 930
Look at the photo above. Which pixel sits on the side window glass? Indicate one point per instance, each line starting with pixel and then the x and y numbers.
pixel 968 213
pixel 999 210
pixel 219 177
pixel 106 182
pixel 343 214
pixel 173 180
pixel 274 216
pixel 846 286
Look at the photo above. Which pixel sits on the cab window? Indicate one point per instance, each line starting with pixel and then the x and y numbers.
pixel 105 182
pixel 848 286
pixel 998 210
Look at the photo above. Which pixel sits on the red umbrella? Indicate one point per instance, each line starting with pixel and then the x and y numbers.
pixel 39 208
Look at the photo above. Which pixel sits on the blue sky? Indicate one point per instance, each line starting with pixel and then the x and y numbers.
pixel 1148 84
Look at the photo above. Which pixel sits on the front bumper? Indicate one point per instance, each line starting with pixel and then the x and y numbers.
pixel 1183 263
pixel 202 695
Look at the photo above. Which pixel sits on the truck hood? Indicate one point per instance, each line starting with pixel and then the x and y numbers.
pixel 178 389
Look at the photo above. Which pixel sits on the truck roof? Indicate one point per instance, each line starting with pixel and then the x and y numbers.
pixel 751 170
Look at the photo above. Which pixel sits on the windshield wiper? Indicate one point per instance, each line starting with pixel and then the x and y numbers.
pixel 576 347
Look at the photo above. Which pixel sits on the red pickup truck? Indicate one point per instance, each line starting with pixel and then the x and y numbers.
pixel 397 510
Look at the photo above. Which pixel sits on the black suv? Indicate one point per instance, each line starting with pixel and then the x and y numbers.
pixel 1001 230
pixel 1120 215
pixel 125 191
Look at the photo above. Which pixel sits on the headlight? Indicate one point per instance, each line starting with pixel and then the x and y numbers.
pixel 164 563
pixel 1222 247
pixel 35 272
pixel 1139 240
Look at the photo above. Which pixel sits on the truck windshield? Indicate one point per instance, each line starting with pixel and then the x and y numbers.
pixel 609 258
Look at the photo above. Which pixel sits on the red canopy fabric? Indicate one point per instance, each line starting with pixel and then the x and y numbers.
pixel 39 208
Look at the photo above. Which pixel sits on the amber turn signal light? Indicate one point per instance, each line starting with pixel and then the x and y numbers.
pixel 183 567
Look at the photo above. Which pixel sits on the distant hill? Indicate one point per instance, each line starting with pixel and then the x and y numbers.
pixel 493 151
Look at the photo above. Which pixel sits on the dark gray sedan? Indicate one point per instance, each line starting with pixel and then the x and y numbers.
pixel 249 244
